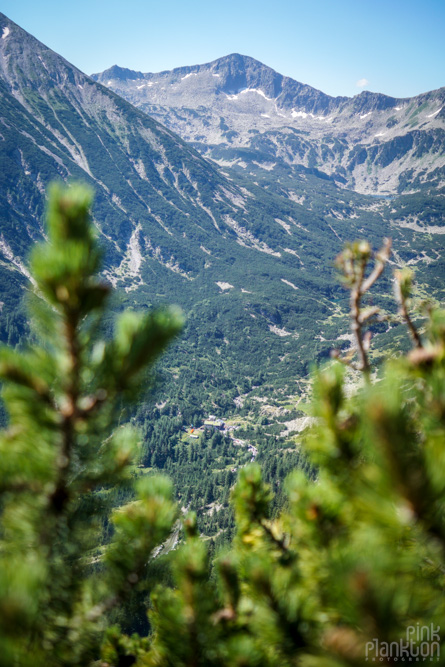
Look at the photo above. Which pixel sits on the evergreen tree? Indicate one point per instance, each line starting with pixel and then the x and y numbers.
pixel 63 454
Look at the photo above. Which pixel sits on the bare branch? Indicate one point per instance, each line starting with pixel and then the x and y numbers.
pixel 381 258
pixel 335 354
pixel 352 263
pixel 368 313
pixel 402 284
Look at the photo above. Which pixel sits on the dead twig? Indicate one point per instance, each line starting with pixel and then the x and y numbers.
pixel 352 263
pixel 402 286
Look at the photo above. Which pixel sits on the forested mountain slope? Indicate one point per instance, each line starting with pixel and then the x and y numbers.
pixel 175 228
pixel 251 265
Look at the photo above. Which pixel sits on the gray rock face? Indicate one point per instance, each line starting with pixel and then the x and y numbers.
pixel 242 113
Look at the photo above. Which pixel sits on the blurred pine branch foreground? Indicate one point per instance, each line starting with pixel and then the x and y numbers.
pixel 63 451
pixel 351 572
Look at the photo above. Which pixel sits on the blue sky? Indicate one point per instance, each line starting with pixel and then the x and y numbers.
pixel 338 46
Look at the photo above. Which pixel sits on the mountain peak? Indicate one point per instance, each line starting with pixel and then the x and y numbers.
pixel 232 74
pixel 122 73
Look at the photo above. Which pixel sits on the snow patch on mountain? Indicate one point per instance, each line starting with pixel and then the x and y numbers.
pixel 299 114
pixel 258 91
pixel 6 32
pixel 307 114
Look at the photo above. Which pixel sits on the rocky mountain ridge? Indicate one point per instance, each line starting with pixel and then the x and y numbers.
pixel 241 113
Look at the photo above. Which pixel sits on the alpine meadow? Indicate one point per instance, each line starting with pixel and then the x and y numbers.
pixel 222 366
